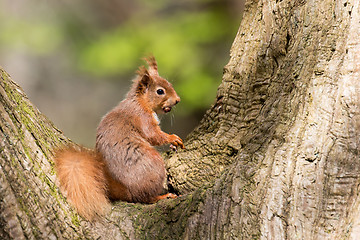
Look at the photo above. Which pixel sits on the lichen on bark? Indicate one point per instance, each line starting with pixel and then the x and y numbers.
pixel 275 157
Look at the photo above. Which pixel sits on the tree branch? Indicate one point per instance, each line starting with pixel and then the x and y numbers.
pixel 276 156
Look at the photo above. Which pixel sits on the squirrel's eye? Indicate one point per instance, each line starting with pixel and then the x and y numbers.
pixel 160 91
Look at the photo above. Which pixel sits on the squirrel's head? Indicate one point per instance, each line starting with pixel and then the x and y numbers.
pixel 156 91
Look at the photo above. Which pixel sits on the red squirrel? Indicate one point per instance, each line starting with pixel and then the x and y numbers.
pixel 124 165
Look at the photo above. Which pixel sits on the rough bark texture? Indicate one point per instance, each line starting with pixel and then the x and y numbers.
pixel 276 157
pixel 287 123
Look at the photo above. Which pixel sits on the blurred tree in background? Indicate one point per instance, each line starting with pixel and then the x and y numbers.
pixel 75 59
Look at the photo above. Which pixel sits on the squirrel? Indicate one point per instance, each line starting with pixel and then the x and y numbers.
pixel 124 165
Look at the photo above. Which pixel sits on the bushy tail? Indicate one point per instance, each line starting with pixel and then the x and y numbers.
pixel 82 177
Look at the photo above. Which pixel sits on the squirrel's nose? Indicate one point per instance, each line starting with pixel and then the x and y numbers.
pixel 177 100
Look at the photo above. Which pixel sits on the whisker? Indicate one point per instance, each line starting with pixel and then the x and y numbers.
pixel 172 116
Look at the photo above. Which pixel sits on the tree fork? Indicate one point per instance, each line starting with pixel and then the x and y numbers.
pixel 275 157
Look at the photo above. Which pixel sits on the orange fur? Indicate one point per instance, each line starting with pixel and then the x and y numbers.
pixel 81 175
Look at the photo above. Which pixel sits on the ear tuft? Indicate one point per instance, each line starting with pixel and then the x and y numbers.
pixel 153 68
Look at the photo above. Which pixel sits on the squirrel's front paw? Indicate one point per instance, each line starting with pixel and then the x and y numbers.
pixel 176 141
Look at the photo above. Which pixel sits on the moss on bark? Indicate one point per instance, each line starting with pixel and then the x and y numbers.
pixel 275 157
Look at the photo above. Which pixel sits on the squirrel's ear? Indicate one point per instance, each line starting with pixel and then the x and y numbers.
pixel 143 81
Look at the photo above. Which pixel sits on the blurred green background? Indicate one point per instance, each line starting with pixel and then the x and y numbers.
pixel 76 59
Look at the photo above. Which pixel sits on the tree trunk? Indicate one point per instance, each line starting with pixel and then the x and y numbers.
pixel 276 156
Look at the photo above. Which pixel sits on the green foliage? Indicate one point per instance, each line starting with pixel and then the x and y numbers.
pixel 184 44
pixel 190 40
pixel 35 37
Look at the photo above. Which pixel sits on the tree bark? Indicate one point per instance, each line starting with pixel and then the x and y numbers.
pixel 275 157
